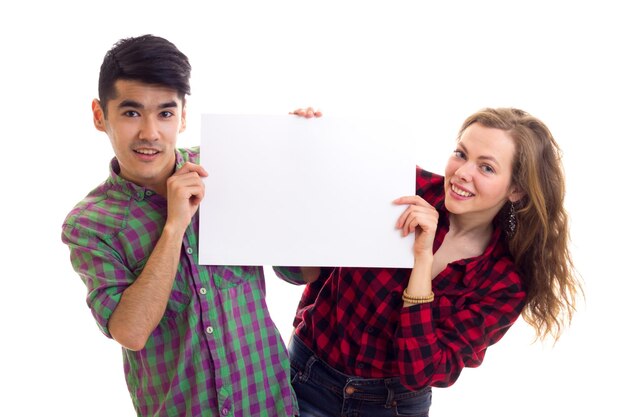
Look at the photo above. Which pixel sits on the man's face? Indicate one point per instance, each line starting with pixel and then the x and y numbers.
pixel 143 122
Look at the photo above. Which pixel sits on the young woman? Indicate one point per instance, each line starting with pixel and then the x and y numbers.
pixel 491 243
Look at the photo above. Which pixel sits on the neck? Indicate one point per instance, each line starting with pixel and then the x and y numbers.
pixel 464 226
pixel 161 187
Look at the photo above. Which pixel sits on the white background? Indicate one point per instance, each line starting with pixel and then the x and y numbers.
pixel 432 62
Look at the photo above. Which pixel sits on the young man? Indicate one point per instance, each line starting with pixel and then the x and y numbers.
pixel 197 340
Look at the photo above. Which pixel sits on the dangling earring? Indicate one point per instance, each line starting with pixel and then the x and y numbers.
pixel 511 221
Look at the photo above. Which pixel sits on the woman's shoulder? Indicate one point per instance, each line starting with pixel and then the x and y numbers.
pixel 429 186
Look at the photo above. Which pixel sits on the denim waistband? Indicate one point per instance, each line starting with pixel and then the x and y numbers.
pixel 310 366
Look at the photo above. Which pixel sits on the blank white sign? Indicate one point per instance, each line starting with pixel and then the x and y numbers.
pixel 285 190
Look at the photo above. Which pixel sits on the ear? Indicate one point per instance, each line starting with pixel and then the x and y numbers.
pixel 516 194
pixel 183 119
pixel 98 115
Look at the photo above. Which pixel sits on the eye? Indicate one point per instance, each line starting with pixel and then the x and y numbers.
pixel 488 169
pixel 131 113
pixel 459 154
pixel 166 114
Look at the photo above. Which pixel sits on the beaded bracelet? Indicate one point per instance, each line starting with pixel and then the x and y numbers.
pixel 418 300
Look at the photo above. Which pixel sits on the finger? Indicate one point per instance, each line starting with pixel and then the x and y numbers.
pixel 414 202
pixel 415 216
pixel 194 194
pixel 409 220
pixel 411 199
pixel 185 185
pixel 298 112
pixel 403 217
pixel 414 222
pixel 308 112
pixel 191 167
pixel 197 195
pixel 411 225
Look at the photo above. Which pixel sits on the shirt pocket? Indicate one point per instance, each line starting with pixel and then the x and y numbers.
pixel 180 296
pixel 232 276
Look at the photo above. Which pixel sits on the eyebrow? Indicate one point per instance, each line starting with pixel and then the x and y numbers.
pixel 484 157
pixel 137 105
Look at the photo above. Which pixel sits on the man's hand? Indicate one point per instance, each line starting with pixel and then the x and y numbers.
pixel 185 191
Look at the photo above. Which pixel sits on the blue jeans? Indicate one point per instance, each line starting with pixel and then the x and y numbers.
pixel 323 391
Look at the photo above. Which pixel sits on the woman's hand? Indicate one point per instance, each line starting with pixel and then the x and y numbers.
pixel 421 218
pixel 309 112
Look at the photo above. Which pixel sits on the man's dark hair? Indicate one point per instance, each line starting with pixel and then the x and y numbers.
pixel 148 59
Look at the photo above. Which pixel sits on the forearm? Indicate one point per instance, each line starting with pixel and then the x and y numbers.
pixel 143 303
pixel 425 355
pixel 420 281
pixel 436 341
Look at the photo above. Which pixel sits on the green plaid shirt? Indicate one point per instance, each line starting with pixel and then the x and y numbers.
pixel 216 350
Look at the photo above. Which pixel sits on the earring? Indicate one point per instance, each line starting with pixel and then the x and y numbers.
pixel 511 221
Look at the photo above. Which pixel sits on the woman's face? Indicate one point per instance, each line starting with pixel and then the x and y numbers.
pixel 478 174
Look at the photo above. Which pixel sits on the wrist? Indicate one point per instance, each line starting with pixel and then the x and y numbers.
pixel 173 232
pixel 423 257
pixel 412 299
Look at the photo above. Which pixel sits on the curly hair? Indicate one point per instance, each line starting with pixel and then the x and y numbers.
pixel 540 242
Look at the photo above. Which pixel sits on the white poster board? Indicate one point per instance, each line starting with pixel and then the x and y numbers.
pixel 285 190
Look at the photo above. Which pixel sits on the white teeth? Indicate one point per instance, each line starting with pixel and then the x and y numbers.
pixel 461 192
pixel 146 151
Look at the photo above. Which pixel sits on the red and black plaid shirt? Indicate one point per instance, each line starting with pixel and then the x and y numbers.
pixel 354 318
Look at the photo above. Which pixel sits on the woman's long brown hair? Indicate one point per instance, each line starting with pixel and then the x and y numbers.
pixel 540 243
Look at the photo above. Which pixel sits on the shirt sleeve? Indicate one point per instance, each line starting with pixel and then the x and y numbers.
pixel 290 274
pixel 293 274
pixel 102 271
pixel 434 353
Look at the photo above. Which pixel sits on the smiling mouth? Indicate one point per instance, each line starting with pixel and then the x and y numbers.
pixel 147 152
pixel 460 192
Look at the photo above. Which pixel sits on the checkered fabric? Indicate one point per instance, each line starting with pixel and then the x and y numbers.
pixel 216 351
pixel 354 319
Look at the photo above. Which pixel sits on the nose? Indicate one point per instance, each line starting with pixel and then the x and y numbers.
pixel 464 172
pixel 149 130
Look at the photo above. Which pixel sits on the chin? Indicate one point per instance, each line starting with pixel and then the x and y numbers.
pixel 457 207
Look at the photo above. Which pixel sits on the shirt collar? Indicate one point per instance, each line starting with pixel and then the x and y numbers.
pixel 494 248
pixel 478 266
pixel 131 189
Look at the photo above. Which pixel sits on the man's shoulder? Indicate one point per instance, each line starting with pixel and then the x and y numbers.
pixel 101 211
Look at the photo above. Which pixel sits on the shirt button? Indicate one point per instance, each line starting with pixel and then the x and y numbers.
pixel 360 365
pixel 209 330
pixel 202 290
pixel 189 251
pixel 369 329
pixel 148 193
pixel 225 411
